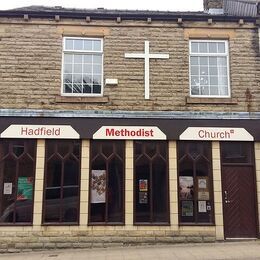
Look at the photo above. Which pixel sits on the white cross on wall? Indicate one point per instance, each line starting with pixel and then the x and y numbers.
pixel 146 56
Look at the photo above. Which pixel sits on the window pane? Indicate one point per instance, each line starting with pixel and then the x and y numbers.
pixel 195 81
pixel 214 90
pixel 195 182
pixel 204 70
pixel 87 79
pixel 222 61
pixel 203 47
pixel 97 89
pixel 77 88
pixel 87 89
pixel 97 59
pixel 97 45
pixel 151 182
pixel 87 59
pixel 204 80
pixel 213 70
pixel 236 152
pixel 204 90
pixel 69 44
pixel 115 191
pixel 68 88
pixel 194 60
pixel 78 44
pixel 97 69
pixel 194 70
pixel 62 175
pixel 221 47
pixel 204 61
pixel 77 68
pixel 106 181
pixel 68 68
pixel 213 47
pixel 195 47
pixel 213 61
pixel 195 90
pixel 68 58
pixel 78 59
pixel 87 68
pixel 17 182
pixel 77 78
pixel 67 78
pixel 97 79
pixel 88 45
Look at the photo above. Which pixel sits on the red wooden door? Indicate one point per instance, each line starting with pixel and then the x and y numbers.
pixel 239 191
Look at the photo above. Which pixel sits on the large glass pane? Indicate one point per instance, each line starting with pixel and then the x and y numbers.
pixel 151 182
pixel 236 152
pixel 115 191
pixel 142 190
pixel 17 181
pixel 160 188
pixel 106 182
pixel 62 177
pixel 195 182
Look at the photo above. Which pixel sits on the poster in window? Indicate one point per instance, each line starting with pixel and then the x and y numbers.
pixel 187 208
pixel 25 188
pixel 186 187
pixel 202 183
pixel 202 206
pixel 203 195
pixel 143 197
pixel 143 185
pixel 98 186
pixel 8 188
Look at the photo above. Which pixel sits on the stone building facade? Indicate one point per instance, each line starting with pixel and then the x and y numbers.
pixel 165 138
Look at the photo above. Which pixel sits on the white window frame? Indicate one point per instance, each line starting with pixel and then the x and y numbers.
pixel 64 51
pixel 226 54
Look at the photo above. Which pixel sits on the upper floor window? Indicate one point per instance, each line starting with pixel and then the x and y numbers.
pixel 82 67
pixel 209 68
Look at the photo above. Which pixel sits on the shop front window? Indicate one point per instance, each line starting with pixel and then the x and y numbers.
pixel 151 182
pixel 17 171
pixel 195 183
pixel 107 183
pixel 62 178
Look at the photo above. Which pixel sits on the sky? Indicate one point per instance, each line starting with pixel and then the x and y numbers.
pixel 162 5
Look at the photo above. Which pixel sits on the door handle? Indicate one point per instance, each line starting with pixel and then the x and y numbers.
pixel 227 201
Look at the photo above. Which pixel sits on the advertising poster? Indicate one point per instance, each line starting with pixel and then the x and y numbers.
pixel 202 206
pixel 202 183
pixel 25 188
pixel 203 195
pixel 186 187
pixel 187 208
pixel 8 188
pixel 98 186
pixel 143 185
pixel 143 197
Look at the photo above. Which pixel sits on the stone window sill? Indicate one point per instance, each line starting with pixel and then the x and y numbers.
pixel 224 101
pixel 81 99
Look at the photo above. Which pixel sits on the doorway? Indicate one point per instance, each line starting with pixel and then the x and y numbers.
pixel 238 190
